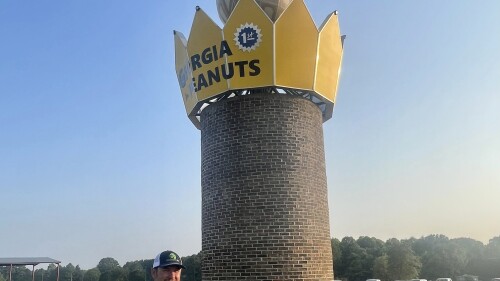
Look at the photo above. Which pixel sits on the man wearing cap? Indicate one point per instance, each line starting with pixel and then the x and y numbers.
pixel 167 266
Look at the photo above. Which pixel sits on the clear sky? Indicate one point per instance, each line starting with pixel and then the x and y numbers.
pixel 97 157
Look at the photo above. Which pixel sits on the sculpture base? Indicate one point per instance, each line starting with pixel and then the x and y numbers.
pixel 264 190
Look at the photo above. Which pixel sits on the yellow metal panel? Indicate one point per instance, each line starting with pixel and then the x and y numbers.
pixel 296 47
pixel 184 72
pixel 329 59
pixel 204 48
pixel 249 33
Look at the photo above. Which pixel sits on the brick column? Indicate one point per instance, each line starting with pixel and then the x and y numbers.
pixel 264 191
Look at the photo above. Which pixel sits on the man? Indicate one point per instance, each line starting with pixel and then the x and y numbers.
pixel 167 266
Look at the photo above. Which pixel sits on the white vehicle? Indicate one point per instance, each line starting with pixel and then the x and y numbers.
pixel 445 279
pixel 495 279
pixel 372 279
pixel 418 279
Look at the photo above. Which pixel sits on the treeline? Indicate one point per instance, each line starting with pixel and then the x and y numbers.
pixel 359 259
pixel 428 258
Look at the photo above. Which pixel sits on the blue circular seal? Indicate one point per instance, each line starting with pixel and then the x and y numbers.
pixel 248 37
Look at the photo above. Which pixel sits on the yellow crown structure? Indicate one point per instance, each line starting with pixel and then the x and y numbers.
pixel 251 53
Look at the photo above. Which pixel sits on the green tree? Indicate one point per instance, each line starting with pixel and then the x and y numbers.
pixel 78 274
pixel 381 268
pixel 424 245
pixel 473 249
pixel 374 248
pixel 107 264
pixel 445 259
pixel 137 275
pixel 51 273
pixel 402 263
pixel 66 272
pixel 193 268
pixel 39 274
pixel 1 277
pixel 21 273
pixel 351 264
pixel 92 275
pixel 136 271
pixel 115 274
pixel 336 253
pixel 147 265
pixel 442 257
pixel 493 248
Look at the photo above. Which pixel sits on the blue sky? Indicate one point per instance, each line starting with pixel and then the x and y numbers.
pixel 97 157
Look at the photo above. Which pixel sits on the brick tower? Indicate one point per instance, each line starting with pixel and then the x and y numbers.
pixel 264 188
pixel 264 194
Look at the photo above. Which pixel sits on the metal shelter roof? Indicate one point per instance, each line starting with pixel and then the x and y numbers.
pixel 26 261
